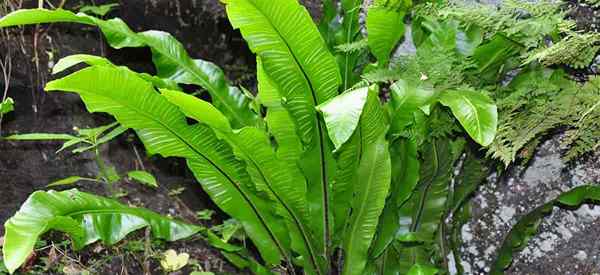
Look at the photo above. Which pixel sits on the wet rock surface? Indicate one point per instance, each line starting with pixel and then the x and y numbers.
pixel 566 242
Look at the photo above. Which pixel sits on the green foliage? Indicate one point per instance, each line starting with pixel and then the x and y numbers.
pixel 101 10
pixel 575 50
pixel 539 100
pixel 7 106
pixel 87 139
pixel 85 218
pixel 385 25
pixel 584 137
pixel 144 178
pixel 594 3
pixel 475 111
pixel 327 166
pixel 342 114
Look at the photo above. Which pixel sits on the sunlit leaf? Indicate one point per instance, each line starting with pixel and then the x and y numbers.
pixel 86 218
pixel 475 111
pixel 144 178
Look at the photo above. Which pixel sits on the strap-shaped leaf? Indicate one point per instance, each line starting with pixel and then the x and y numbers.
pixel 350 35
pixel 279 122
pixel 405 176
pixel 342 113
pixel 296 58
pixel 371 186
pixel 475 111
pixel 421 215
pixel 292 52
pixel 163 130
pixel 385 26
pixel 169 56
pixel 93 60
pixel 86 218
pixel 282 183
pixel 373 181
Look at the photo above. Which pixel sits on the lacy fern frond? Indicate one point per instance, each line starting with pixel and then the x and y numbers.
pixel 585 137
pixel 533 104
pixel 575 50
pixel 540 101
pixel 523 22
pixel 352 47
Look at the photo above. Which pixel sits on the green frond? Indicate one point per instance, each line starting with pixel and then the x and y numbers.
pixel 575 50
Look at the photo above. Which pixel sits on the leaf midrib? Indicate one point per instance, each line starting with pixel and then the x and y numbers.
pixel 324 180
pixel 222 172
pixel 362 203
pixel 417 220
pixel 476 114
pixel 207 85
pixel 292 213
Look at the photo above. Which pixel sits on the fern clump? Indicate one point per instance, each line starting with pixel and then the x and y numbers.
pixel 584 137
pixel 540 100
pixel 526 23
pixel 575 50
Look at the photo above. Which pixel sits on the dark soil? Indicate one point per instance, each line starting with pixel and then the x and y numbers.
pixel 27 167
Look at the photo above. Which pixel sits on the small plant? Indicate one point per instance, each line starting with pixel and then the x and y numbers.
pixel 7 106
pixel 90 140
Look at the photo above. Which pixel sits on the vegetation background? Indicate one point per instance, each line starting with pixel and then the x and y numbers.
pixel 569 242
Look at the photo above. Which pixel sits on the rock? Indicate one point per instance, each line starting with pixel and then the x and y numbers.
pixel 503 200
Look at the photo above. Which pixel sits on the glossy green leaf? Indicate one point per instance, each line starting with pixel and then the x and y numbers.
pixel 342 113
pixel 279 121
pixel 144 178
pixel 294 55
pixel 92 60
pixel 281 183
pixel 371 187
pixel 100 10
pixel 421 215
pixel 66 181
pixel 86 218
pixel 408 98
pixel 385 26
pixel 72 60
pixel 198 109
pixel 373 181
pixel 7 106
pixel 475 111
pixel 419 269
pixel 491 58
pixel 170 58
pixel 350 35
pixel 40 136
pixel 405 176
pixel 164 130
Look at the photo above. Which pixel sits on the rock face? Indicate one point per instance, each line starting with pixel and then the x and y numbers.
pixel 566 239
